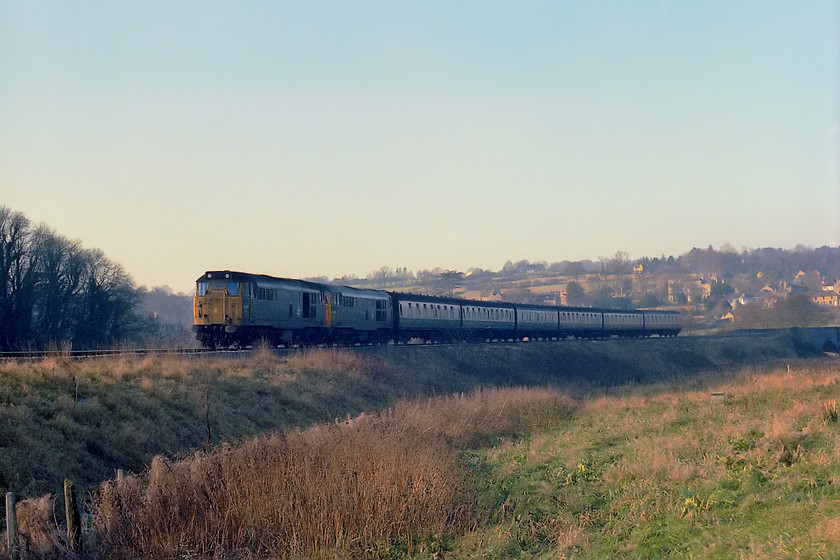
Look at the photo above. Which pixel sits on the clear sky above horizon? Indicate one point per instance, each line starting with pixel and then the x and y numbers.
pixel 309 138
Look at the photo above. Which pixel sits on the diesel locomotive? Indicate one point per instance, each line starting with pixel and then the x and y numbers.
pixel 237 308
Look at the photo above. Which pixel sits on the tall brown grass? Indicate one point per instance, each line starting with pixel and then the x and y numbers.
pixel 39 535
pixel 349 488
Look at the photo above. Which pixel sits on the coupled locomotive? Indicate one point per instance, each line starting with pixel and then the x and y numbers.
pixel 237 308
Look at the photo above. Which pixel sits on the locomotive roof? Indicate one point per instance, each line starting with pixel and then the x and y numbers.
pixel 232 275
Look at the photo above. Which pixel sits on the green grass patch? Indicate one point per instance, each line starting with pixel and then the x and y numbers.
pixel 672 475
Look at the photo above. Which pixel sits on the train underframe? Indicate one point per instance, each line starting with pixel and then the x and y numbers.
pixel 220 336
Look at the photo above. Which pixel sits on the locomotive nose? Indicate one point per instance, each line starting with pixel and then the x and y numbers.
pixel 214 307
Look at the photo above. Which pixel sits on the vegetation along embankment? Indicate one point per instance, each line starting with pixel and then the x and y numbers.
pixel 606 447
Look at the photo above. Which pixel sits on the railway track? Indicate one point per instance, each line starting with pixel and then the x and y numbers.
pixel 86 354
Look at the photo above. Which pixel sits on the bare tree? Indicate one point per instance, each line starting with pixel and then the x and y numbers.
pixel 604 268
pixel 60 269
pixel 621 266
pixel 16 279
pixel 109 300
pixel 52 290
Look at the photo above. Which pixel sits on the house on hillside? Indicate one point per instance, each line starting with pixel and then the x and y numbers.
pixel 829 295
pixel 831 298
pixel 746 298
pixel 694 288
pixel 726 318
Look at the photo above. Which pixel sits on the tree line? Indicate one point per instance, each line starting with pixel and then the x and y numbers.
pixel 53 291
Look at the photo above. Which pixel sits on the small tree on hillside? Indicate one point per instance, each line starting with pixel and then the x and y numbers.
pixel 575 294
pixel 449 280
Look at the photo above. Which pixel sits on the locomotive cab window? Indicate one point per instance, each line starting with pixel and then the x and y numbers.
pixel 232 288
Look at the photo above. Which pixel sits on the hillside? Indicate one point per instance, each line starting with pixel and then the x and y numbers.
pixel 84 420
pixel 702 447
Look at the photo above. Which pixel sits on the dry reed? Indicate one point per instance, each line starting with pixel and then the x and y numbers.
pixel 393 478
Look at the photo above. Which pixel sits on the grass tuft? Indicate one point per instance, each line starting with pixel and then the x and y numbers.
pixel 830 411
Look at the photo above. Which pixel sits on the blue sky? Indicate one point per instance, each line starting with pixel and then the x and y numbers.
pixel 332 138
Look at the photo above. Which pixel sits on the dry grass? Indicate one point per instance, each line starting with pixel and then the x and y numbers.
pixel 332 362
pixel 332 488
pixel 465 419
pixel 40 536
pixel 346 488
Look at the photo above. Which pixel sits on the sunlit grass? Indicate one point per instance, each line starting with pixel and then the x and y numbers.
pixel 674 474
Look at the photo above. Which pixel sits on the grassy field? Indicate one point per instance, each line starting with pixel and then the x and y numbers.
pixel 591 449
pixel 667 471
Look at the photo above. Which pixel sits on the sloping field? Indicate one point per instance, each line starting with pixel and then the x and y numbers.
pixel 739 468
pixel 84 420
pixel 643 448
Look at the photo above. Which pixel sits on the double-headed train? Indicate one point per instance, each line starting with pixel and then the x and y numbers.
pixel 237 308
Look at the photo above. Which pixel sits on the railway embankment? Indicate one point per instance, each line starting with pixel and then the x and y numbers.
pixel 83 420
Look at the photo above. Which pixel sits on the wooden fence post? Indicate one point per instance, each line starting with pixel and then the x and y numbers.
pixel 74 522
pixel 12 526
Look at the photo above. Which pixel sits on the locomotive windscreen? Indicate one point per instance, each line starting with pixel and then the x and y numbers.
pixel 231 287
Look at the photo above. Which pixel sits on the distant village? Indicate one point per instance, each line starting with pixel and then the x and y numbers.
pixel 723 288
